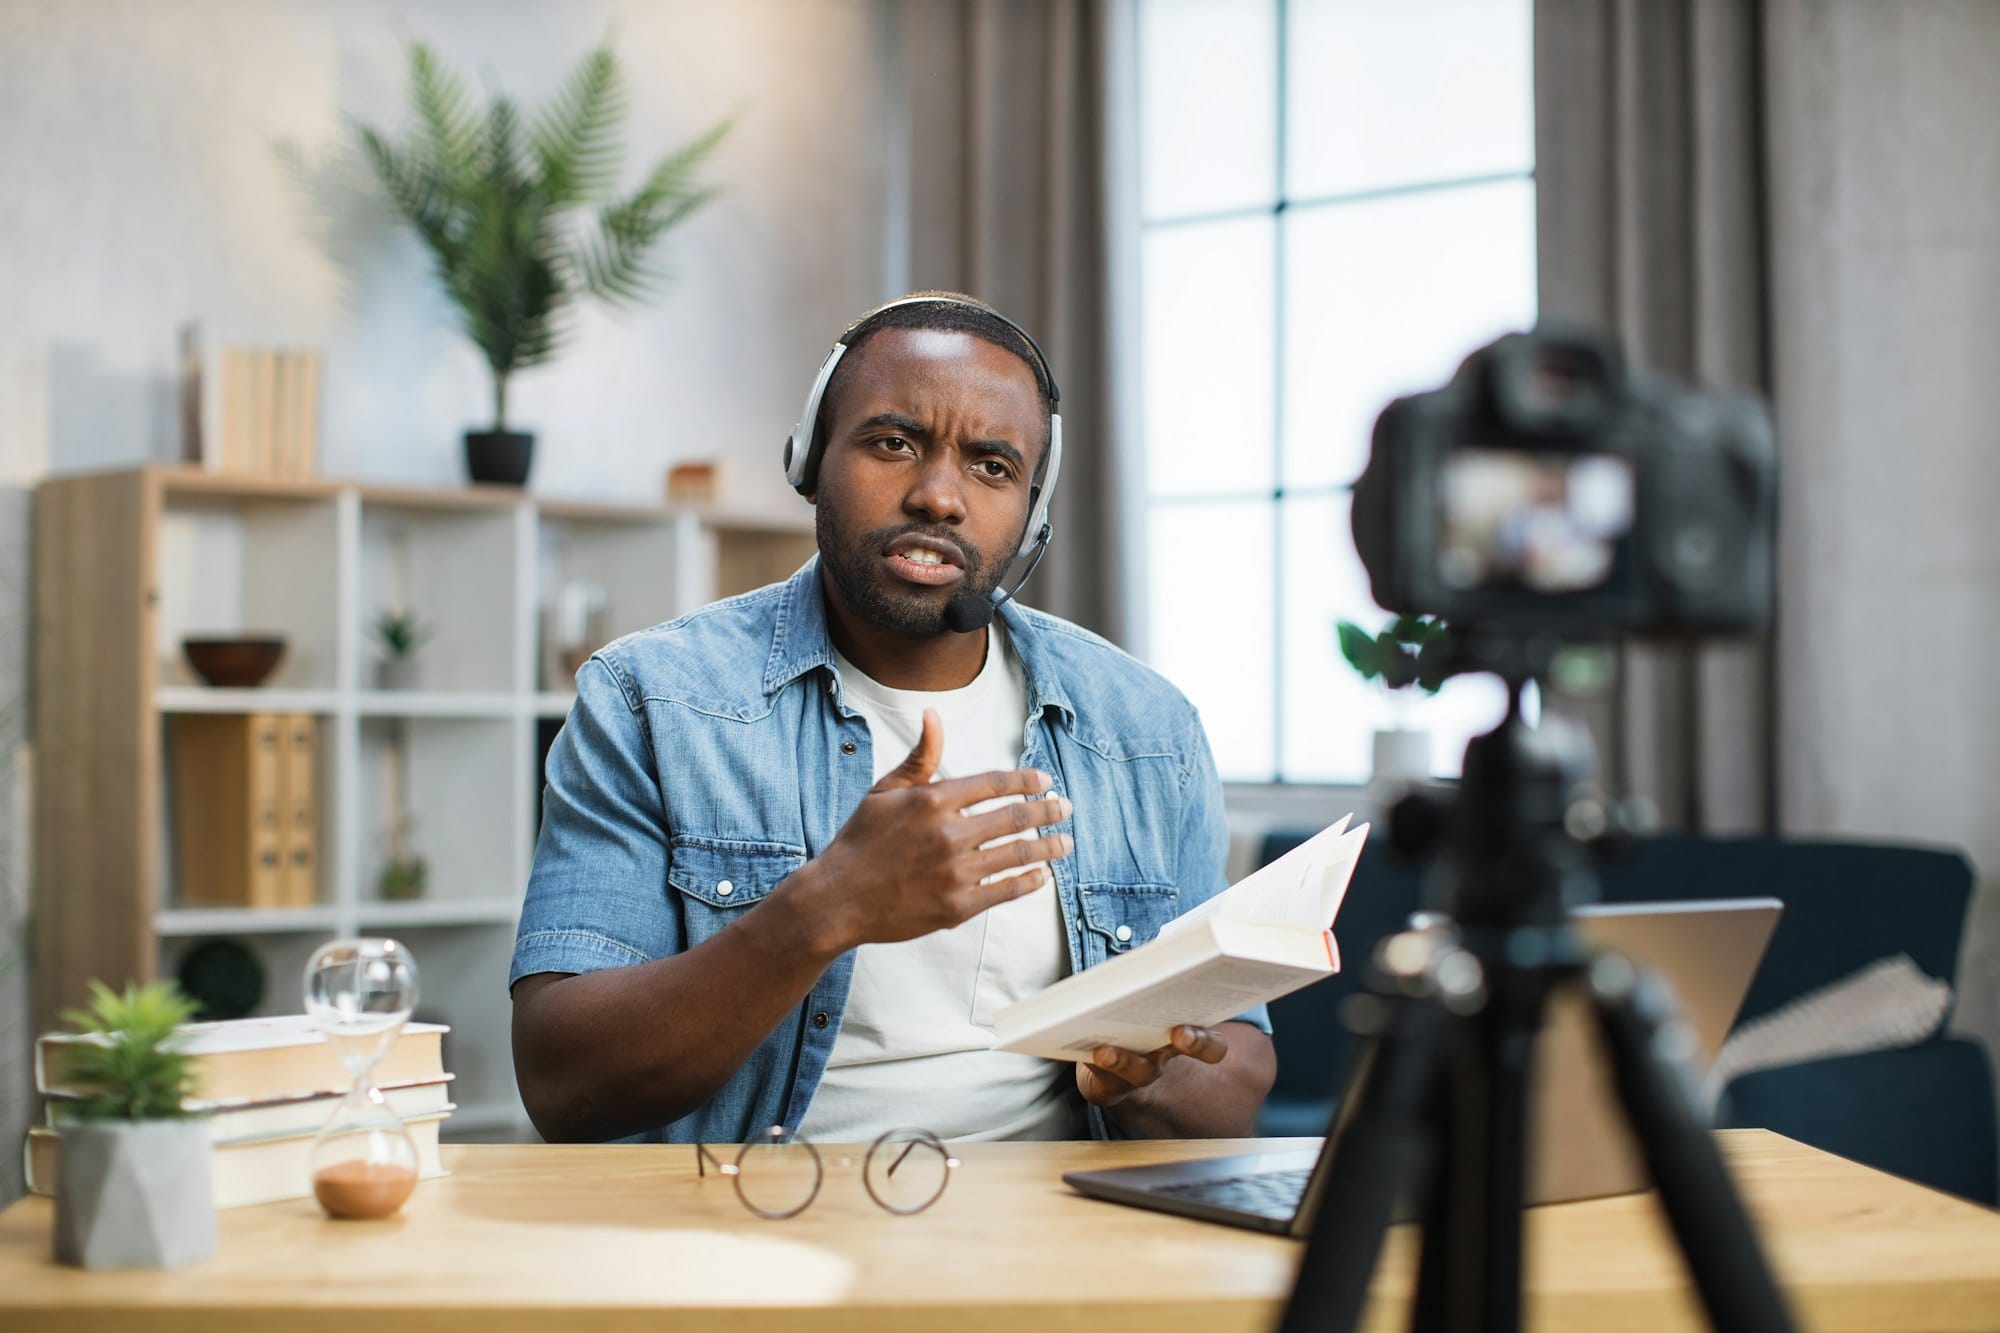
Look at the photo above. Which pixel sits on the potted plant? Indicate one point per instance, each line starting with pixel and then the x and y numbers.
pixel 133 1180
pixel 399 634
pixel 405 873
pixel 1411 653
pixel 496 201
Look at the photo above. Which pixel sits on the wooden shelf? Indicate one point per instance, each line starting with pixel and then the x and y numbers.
pixel 176 921
pixel 436 703
pixel 206 699
pixel 439 912
pixel 130 562
pixel 795 520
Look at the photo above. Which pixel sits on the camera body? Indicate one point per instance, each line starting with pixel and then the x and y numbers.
pixel 1547 489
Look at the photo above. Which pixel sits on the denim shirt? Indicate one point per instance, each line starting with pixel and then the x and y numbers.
pixel 706 759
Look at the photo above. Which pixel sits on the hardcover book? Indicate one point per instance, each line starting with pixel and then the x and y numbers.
pixel 262 1059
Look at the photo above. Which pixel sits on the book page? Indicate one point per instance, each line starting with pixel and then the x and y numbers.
pixel 1144 1018
pixel 1304 887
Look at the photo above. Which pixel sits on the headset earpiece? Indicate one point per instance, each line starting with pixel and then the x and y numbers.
pixel 798 445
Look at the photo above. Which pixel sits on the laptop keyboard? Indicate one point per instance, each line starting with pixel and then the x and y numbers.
pixel 1265 1193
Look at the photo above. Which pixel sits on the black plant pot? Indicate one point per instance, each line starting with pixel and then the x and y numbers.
pixel 502 456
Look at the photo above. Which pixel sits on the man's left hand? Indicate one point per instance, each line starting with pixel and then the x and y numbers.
pixel 1113 1075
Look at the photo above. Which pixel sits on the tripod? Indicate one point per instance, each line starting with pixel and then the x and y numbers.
pixel 1439 1106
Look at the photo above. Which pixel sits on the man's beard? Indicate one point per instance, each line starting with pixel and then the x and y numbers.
pixel 864 581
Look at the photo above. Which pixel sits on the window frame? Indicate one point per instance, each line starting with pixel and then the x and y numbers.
pixel 1275 792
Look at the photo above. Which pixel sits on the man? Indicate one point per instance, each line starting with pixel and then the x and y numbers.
pixel 800 846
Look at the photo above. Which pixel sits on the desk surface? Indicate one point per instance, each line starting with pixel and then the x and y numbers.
pixel 536 1237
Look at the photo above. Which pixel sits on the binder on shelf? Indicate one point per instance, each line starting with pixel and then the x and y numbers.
pixel 229 809
pixel 249 409
pixel 301 810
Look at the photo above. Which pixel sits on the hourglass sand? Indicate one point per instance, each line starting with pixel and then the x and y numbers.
pixel 360 992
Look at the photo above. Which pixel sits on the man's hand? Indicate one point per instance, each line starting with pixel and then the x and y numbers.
pixel 910 860
pixel 1113 1076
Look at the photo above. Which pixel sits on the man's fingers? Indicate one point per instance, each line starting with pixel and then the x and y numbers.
pixel 1204 1044
pixel 1020 852
pixel 1017 817
pixel 1128 1066
pixel 918 766
pixel 1101 1088
pixel 961 792
pixel 982 896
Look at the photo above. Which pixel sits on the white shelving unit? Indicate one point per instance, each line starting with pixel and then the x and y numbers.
pixel 315 562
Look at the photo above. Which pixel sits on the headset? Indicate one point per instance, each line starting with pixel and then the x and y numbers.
pixel 965 612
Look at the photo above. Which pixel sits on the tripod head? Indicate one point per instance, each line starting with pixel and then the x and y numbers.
pixel 1530 823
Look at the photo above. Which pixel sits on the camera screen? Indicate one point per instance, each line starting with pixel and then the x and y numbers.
pixel 1547 522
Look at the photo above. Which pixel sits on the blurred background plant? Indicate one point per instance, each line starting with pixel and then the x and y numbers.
pixel 1409 652
pixel 399 633
pixel 405 873
pixel 494 198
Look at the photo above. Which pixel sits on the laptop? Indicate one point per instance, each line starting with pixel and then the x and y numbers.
pixel 1582 1149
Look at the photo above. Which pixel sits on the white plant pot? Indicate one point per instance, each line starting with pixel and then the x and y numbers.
pixel 1402 757
pixel 395 673
pixel 134 1194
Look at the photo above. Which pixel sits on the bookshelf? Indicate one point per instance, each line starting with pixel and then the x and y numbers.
pixel 129 562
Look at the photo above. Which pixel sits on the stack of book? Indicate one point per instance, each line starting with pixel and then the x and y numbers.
pixel 246 809
pixel 249 409
pixel 267 1086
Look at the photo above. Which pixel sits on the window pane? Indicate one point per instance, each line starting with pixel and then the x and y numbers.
pixel 1210 329
pixel 1387 296
pixel 1208 105
pixel 1210 601
pixel 1331 714
pixel 1385 94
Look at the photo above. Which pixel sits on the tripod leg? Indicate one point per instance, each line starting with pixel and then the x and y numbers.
pixel 1470 1281
pixel 1383 1144
pixel 1637 1017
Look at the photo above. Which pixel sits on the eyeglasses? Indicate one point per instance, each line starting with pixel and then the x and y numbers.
pixel 778 1175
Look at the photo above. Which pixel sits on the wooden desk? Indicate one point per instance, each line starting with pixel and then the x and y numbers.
pixel 558 1238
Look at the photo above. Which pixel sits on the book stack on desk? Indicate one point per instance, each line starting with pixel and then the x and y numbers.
pixel 267 1087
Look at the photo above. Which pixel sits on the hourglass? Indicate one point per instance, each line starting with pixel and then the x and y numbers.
pixel 360 993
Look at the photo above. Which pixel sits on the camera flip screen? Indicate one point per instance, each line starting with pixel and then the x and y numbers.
pixel 1548 522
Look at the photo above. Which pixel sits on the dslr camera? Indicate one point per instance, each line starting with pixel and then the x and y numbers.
pixel 1548 489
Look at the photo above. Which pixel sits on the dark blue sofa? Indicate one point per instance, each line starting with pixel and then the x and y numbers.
pixel 1924 1112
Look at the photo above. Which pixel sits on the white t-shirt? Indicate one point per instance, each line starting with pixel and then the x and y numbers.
pixel 913 1048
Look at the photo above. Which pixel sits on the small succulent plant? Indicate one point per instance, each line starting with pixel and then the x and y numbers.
pixel 133 1069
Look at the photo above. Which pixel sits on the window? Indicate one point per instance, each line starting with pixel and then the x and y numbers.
pixel 1337 204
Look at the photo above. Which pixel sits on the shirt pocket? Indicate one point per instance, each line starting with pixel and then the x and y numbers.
pixel 716 878
pixel 1118 918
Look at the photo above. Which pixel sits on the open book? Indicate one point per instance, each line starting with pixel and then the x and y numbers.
pixel 1267 935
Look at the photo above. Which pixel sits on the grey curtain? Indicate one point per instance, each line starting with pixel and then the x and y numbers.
pixel 1004 180
pixel 1650 176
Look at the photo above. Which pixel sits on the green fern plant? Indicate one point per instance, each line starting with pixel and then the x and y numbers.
pixel 399 632
pixel 496 198
pixel 1409 651
pixel 132 1068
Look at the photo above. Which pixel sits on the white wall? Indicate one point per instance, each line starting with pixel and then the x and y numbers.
pixel 1886 246
pixel 144 180
pixel 147 176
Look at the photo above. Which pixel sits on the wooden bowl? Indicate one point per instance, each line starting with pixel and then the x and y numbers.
pixel 234 663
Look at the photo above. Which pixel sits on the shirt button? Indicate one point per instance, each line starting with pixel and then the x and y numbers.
pixel 847 747
pixel 820 1019
pixel 724 889
pixel 1123 933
